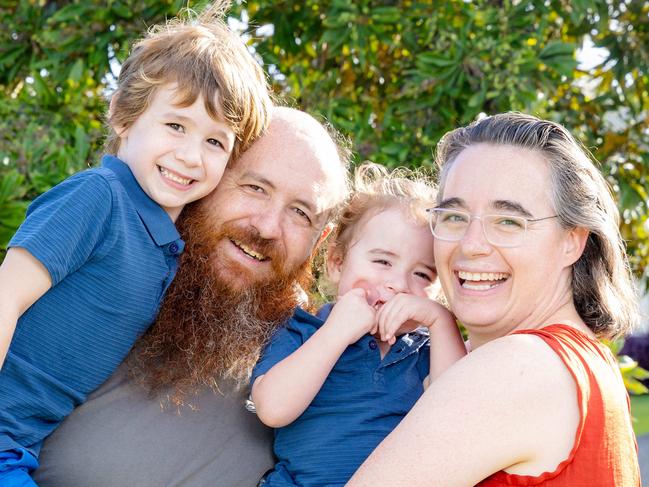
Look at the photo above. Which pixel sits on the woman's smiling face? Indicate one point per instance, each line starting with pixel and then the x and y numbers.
pixel 494 290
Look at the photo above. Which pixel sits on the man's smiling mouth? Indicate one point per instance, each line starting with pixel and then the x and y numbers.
pixel 250 252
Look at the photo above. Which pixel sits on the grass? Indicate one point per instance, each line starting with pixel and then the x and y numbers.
pixel 640 411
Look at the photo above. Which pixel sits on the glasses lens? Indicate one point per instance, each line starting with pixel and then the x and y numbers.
pixel 504 230
pixel 449 224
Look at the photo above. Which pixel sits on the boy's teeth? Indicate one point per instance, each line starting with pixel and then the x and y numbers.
pixel 249 251
pixel 174 177
pixel 481 276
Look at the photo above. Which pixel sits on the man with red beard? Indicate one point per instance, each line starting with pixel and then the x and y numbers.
pixel 249 247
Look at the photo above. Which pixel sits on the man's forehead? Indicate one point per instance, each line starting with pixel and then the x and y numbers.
pixel 290 161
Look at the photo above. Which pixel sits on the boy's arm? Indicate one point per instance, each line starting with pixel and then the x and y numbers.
pixel 286 390
pixel 446 344
pixel 23 279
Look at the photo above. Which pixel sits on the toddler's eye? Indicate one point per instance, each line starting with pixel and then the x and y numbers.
pixel 176 126
pixel 215 143
pixel 382 262
pixel 425 276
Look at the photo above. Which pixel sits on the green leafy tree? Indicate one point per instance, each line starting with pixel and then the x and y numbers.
pixel 393 75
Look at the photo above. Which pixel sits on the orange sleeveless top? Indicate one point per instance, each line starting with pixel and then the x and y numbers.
pixel 605 452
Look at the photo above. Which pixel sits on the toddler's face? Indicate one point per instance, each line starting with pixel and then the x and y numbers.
pixel 388 254
pixel 177 154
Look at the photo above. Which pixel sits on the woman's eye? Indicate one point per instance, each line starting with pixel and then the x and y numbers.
pixel 510 222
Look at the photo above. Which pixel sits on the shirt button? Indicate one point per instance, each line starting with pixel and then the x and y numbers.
pixel 373 345
pixel 173 248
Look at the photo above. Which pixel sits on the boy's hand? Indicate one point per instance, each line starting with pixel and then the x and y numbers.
pixel 405 312
pixel 352 317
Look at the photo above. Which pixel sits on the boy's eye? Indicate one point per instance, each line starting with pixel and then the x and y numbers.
pixel 176 126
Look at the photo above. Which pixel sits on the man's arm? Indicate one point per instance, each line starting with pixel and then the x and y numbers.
pixel 23 279
pixel 286 390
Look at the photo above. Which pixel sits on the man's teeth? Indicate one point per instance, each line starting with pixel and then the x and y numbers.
pixel 247 250
pixel 174 177
pixel 481 276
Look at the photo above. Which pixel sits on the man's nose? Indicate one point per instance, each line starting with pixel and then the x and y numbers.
pixel 268 222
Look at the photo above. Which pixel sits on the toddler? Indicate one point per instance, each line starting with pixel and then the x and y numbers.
pixel 86 271
pixel 335 384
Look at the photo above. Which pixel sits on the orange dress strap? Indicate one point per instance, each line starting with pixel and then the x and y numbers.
pixel 605 452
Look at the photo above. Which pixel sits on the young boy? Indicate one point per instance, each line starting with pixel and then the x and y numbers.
pixel 86 271
pixel 334 385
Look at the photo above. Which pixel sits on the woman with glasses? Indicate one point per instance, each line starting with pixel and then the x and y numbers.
pixel 529 255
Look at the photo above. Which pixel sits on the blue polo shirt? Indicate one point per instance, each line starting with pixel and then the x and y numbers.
pixel 360 403
pixel 111 252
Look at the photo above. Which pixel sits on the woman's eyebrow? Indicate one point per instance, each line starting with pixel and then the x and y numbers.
pixel 509 205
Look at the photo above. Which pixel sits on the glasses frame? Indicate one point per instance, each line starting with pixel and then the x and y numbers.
pixel 526 221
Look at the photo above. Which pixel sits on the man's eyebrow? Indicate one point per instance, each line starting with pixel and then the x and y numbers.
pixel 511 206
pixel 268 183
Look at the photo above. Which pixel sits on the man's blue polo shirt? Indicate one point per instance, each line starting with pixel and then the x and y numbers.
pixel 111 252
pixel 360 403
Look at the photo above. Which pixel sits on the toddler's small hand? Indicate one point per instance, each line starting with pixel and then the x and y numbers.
pixel 352 316
pixel 404 313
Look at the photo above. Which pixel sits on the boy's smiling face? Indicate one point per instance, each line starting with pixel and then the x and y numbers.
pixel 389 254
pixel 177 154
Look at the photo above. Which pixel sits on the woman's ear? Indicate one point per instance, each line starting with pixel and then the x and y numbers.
pixel 575 243
pixel 334 264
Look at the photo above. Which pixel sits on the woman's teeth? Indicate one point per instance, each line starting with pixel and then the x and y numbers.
pixel 481 281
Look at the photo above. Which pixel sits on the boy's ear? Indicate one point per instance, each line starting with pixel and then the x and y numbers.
pixel 119 130
pixel 575 243
pixel 334 264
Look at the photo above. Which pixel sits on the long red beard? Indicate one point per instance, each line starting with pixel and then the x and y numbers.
pixel 216 317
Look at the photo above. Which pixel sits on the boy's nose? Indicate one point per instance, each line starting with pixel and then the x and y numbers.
pixel 190 154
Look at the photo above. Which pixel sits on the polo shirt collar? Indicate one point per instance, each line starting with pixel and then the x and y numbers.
pixel 155 219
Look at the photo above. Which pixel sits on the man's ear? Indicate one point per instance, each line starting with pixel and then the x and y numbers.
pixel 334 264
pixel 575 243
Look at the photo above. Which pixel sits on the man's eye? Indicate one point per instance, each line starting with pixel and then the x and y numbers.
pixel 176 126
pixel 302 214
pixel 254 187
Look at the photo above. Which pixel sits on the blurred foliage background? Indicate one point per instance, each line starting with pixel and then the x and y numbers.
pixel 393 75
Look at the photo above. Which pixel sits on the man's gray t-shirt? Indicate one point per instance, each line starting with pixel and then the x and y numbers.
pixel 121 436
